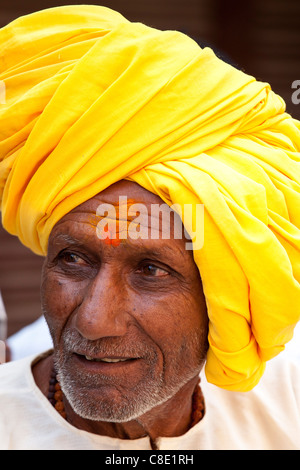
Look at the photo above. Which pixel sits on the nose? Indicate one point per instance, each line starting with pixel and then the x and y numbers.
pixel 102 311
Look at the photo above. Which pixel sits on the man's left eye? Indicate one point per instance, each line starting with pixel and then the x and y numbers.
pixel 71 258
pixel 152 270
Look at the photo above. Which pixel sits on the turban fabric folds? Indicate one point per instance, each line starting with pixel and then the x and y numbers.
pixel 92 98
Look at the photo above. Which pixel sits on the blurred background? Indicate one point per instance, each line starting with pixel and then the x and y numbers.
pixel 260 37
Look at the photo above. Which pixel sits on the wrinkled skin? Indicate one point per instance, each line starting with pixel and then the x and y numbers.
pixel 140 301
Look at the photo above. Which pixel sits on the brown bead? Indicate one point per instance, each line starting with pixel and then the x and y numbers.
pixel 58 395
pixel 55 395
pixel 59 406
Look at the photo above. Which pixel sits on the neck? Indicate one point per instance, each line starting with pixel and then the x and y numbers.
pixel 169 419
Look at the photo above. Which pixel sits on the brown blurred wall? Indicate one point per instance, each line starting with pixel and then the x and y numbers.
pixel 260 37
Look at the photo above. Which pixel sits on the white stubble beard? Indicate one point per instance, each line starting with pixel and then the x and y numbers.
pixel 148 393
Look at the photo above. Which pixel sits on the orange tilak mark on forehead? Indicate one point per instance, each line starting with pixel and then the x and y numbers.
pixel 111 238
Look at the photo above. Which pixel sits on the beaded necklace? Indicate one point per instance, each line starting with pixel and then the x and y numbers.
pixel 55 395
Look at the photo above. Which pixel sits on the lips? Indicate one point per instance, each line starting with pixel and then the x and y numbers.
pixel 109 367
pixel 108 359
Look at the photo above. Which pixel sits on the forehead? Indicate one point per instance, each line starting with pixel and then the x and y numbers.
pixel 145 214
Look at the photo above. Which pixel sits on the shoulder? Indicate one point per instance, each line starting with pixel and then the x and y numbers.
pixel 283 375
pixel 267 417
pixel 13 373
pixel 14 378
pixel 19 372
pixel 20 402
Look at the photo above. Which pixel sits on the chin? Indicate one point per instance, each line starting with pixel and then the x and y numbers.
pixel 107 403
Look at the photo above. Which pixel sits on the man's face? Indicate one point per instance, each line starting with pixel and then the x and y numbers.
pixel 128 320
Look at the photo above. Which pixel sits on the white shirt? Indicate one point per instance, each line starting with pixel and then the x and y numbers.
pixel 266 418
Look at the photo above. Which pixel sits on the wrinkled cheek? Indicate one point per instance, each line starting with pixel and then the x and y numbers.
pixel 184 353
pixel 58 301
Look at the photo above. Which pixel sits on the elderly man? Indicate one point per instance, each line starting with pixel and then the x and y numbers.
pixel 106 121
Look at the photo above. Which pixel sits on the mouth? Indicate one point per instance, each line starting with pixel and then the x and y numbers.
pixel 109 364
pixel 109 359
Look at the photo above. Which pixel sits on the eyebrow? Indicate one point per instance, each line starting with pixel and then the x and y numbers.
pixel 65 238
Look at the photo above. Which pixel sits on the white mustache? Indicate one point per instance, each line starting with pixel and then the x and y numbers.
pixel 105 347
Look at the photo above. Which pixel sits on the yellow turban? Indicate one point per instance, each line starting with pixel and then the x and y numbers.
pixel 92 98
